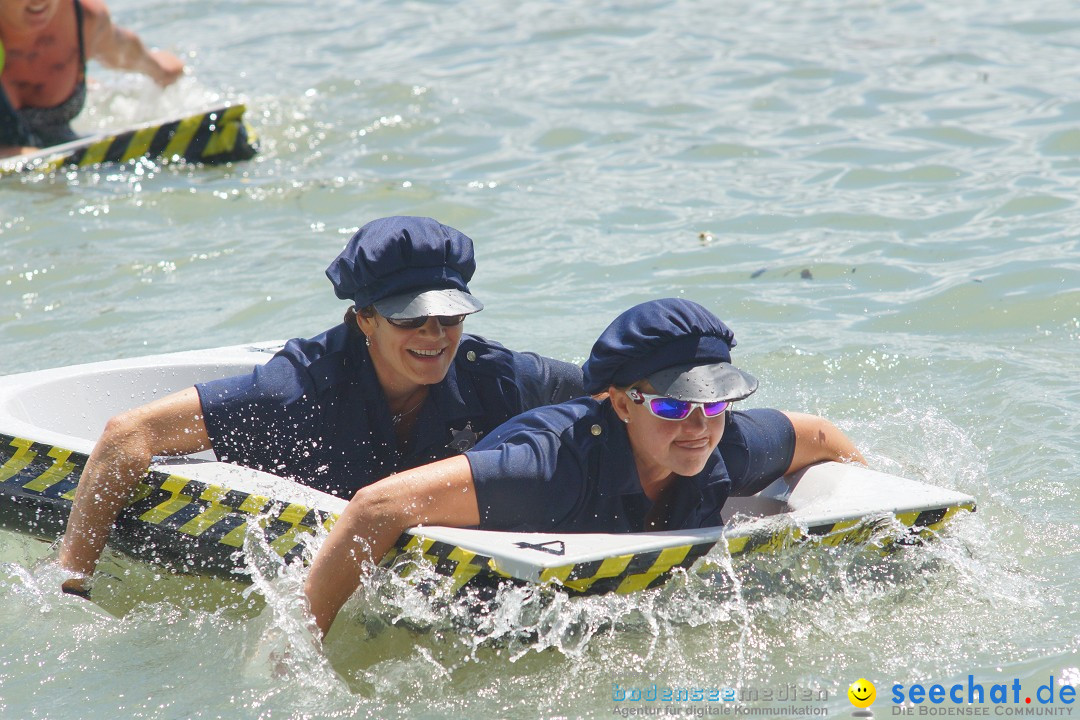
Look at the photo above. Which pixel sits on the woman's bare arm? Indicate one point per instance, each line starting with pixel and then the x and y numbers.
pixel 817 439
pixel 172 425
pixel 119 47
pixel 441 493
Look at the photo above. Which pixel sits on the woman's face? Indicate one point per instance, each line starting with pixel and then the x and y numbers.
pixel 663 447
pixel 21 16
pixel 407 358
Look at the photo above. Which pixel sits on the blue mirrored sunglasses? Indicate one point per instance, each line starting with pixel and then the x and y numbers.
pixel 668 408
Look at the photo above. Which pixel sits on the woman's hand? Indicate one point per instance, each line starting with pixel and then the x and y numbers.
pixel 172 425
pixel 169 68
pixel 120 48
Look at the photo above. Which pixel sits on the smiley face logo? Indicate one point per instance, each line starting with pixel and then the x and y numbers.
pixel 862 693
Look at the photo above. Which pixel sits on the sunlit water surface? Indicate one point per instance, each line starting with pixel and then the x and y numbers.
pixel 881 199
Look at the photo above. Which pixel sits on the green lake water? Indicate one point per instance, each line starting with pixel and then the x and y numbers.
pixel 879 197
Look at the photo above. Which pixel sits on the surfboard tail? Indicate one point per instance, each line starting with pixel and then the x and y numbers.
pixel 213 137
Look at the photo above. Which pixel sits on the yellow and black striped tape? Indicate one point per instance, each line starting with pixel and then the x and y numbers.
pixel 197 527
pixel 620 574
pixel 466 568
pixel 921 525
pixel 626 573
pixel 641 571
pixel 189 525
pixel 212 137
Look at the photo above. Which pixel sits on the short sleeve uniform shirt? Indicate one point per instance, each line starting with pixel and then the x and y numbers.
pixel 316 412
pixel 569 468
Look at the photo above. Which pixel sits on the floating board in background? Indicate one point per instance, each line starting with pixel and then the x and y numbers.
pixel 214 136
pixel 193 514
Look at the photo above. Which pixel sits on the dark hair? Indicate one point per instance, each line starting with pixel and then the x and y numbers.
pixel 350 317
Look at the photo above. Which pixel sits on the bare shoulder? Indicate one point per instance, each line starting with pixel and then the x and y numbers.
pixel 94 10
pixel 97 25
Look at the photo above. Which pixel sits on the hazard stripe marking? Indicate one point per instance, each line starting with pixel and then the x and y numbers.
pixel 181 137
pixel 206 519
pixel 95 153
pixel 928 518
pixel 139 144
pixel 221 517
pixel 216 136
pixel 22 457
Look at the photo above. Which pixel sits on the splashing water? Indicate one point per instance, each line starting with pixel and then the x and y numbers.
pixel 879 197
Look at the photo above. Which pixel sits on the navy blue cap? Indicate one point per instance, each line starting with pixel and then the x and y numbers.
pixel 681 348
pixel 407 267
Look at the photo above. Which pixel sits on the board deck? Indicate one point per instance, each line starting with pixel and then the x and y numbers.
pixel 193 514
pixel 829 503
pixel 216 135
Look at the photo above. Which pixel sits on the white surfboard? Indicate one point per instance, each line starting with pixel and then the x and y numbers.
pixel 193 513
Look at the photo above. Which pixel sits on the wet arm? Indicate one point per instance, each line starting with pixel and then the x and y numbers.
pixel 817 440
pixel 441 493
pixel 172 425
pixel 118 47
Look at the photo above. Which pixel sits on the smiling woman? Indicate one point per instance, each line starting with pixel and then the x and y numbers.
pixel 43 78
pixel 408 357
pixel 395 386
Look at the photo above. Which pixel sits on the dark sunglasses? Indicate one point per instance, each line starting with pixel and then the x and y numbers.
pixel 419 322
pixel 668 408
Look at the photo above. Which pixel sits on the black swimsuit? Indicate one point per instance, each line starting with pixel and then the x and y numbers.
pixel 42 127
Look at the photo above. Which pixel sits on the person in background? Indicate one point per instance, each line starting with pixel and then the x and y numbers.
pixel 659 446
pixel 396 385
pixel 44 46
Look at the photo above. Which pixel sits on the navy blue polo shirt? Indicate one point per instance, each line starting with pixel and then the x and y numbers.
pixel 569 468
pixel 316 412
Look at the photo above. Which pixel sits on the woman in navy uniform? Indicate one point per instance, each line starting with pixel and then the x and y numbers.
pixel 397 385
pixel 658 447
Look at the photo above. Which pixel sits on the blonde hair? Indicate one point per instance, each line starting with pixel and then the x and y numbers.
pixel 602 396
